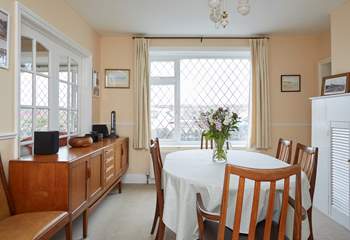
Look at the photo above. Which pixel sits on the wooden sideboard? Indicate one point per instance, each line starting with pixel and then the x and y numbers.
pixel 73 180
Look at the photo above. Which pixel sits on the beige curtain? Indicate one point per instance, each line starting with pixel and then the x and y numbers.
pixel 260 137
pixel 141 98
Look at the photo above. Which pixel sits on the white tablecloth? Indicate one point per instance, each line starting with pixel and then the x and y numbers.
pixel 187 172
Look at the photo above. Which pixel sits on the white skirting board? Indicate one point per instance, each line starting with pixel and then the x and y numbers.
pixel 135 178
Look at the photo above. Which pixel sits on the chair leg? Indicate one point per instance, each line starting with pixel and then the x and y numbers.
pixel 309 215
pixel 161 230
pixel 156 215
pixel 68 230
pixel 85 223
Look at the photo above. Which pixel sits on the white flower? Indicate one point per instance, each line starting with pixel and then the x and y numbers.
pixel 211 120
pixel 227 120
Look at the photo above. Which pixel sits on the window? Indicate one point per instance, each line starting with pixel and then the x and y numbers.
pixel 48 91
pixel 184 84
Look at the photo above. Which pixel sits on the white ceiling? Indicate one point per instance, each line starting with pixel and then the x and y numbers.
pixel 190 17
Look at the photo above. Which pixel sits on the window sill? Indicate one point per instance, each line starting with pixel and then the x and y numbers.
pixel 174 147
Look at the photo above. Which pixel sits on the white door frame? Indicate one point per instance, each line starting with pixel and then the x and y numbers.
pixel 27 16
pixel 320 64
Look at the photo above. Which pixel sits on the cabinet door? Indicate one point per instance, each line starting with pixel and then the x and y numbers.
pixel 78 185
pixel 118 158
pixel 125 155
pixel 340 173
pixel 95 174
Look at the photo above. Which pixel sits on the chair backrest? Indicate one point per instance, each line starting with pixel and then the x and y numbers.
pixel 258 176
pixel 206 143
pixel 157 166
pixel 6 209
pixel 284 150
pixel 307 158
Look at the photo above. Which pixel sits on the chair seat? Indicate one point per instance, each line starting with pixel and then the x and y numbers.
pixel 28 226
pixel 211 231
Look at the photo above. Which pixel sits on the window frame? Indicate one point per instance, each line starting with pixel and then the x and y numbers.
pixel 54 53
pixel 176 55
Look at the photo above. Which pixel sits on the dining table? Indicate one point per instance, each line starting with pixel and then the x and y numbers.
pixel 188 172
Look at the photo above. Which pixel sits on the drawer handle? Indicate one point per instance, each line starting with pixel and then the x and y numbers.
pixel 109 177
pixel 108 160
pixel 109 151
pixel 88 172
pixel 109 168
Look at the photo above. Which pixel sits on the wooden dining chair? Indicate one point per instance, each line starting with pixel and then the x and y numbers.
pixel 206 143
pixel 158 168
pixel 213 226
pixel 307 158
pixel 284 150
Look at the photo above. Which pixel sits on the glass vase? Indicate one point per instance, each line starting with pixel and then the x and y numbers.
pixel 219 151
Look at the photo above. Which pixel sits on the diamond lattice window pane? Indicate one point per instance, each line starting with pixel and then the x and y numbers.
pixel 42 119
pixel 63 69
pixel 74 97
pixel 63 121
pixel 26 124
pixel 73 122
pixel 209 84
pixel 42 91
pixel 42 59
pixel 163 111
pixel 63 95
pixel 74 71
pixel 26 54
pixel 26 88
pixel 163 69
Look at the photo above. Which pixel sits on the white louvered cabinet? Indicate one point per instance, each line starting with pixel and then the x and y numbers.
pixel 331 133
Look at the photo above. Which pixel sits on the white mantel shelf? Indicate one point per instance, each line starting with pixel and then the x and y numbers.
pixel 330 96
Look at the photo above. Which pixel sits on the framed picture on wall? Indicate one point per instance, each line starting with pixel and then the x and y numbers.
pixel 117 78
pixel 4 39
pixel 336 84
pixel 95 84
pixel 291 83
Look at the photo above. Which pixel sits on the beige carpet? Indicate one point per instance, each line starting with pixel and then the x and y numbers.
pixel 129 216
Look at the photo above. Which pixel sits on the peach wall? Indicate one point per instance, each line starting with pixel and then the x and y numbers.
pixel 59 15
pixel 291 112
pixel 340 20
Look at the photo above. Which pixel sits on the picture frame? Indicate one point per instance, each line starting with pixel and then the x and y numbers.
pixel 291 83
pixel 117 78
pixel 4 39
pixel 95 84
pixel 336 84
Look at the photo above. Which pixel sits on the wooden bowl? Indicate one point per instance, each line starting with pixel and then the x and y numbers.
pixel 77 142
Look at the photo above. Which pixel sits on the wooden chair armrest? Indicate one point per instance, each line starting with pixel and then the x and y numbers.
pixel 291 202
pixel 204 212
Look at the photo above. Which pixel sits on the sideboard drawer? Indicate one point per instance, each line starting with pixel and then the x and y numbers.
pixel 109 166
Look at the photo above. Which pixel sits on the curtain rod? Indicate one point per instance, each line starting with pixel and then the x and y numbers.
pixel 202 38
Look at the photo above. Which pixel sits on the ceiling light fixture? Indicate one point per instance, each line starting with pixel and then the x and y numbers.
pixel 219 15
pixel 243 7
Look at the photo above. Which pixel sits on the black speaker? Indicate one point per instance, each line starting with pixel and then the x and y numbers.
pixel 101 128
pixel 46 142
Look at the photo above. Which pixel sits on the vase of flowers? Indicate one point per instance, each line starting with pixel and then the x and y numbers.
pixel 218 125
